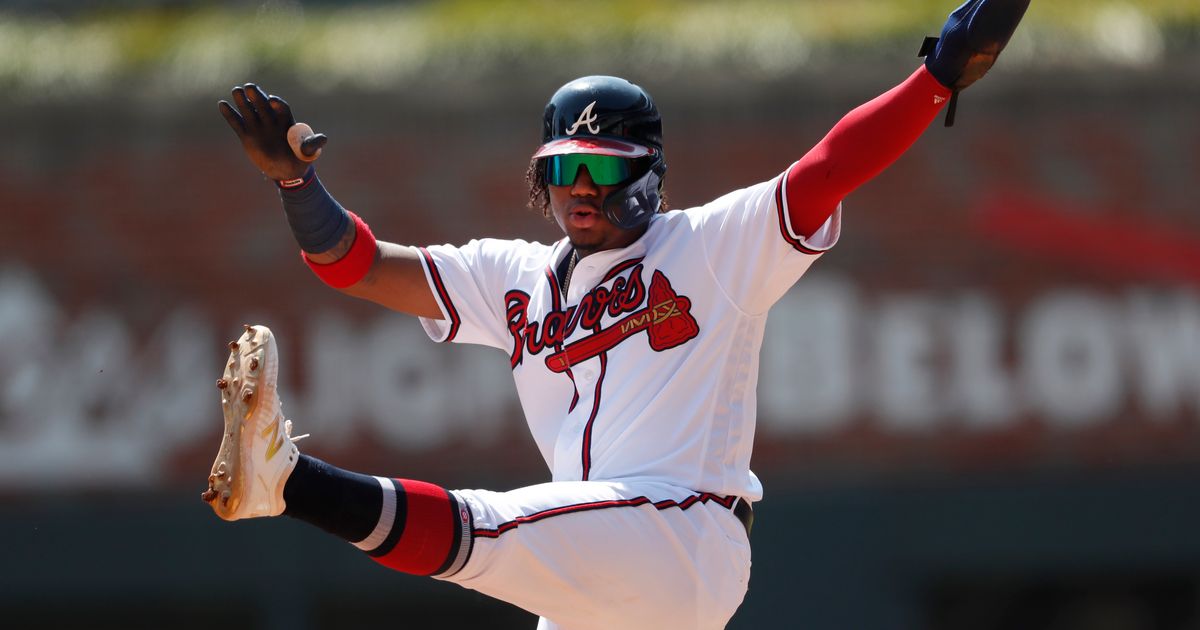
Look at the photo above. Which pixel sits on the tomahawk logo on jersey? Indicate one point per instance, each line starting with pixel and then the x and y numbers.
pixel 666 318
pixel 647 367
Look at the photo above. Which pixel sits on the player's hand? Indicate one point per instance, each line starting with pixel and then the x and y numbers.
pixel 279 146
pixel 972 39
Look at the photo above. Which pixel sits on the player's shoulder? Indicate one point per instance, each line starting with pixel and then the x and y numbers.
pixel 752 194
pixel 742 198
pixel 509 245
pixel 512 253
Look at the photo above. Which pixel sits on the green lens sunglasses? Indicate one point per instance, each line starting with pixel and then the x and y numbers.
pixel 606 170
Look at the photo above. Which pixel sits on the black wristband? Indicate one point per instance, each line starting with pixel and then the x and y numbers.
pixel 317 220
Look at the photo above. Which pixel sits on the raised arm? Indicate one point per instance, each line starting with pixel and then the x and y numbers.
pixel 336 244
pixel 872 136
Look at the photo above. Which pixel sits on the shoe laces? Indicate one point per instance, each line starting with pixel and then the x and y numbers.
pixel 287 429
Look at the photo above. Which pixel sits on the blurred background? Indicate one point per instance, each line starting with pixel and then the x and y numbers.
pixel 980 411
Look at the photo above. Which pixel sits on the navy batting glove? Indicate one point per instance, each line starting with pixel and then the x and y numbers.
pixel 971 40
pixel 263 124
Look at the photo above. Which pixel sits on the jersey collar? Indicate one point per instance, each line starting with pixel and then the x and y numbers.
pixel 590 270
pixel 607 258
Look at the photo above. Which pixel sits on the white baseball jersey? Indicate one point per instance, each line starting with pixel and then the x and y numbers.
pixel 646 370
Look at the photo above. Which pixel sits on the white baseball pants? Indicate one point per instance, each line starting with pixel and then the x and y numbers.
pixel 605 555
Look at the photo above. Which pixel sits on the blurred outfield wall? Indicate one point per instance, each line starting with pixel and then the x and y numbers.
pixel 1017 292
pixel 986 396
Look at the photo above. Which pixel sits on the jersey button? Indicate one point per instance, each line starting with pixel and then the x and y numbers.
pixel 588 375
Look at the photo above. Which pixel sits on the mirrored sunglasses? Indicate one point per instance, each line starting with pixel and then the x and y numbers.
pixel 605 170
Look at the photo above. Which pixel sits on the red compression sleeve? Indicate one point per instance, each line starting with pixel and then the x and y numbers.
pixel 859 147
pixel 349 269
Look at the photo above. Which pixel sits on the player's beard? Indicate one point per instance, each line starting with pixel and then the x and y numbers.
pixel 586 240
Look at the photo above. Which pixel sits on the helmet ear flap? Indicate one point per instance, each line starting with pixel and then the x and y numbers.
pixel 632 205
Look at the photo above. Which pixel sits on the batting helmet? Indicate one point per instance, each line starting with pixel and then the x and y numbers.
pixel 610 116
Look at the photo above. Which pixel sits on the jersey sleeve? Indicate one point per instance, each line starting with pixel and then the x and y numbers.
pixel 469 284
pixel 752 249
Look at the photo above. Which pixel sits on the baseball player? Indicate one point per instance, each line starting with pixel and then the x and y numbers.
pixel 634 344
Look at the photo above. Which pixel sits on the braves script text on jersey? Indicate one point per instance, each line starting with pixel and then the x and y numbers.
pixel 640 379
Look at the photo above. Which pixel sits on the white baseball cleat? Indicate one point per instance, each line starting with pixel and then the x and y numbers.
pixel 257 452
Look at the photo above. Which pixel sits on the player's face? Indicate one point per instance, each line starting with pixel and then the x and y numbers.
pixel 576 209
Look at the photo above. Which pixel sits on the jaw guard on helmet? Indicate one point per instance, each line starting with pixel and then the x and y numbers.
pixel 633 204
pixel 610 116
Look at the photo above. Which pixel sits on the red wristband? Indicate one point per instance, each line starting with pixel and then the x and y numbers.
pixel 353 267
pixel 300 183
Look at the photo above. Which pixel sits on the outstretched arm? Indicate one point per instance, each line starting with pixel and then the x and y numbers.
pixel 859 147
pixel 336 244
pixel 872 136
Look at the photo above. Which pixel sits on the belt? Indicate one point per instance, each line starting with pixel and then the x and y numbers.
pixel 744 513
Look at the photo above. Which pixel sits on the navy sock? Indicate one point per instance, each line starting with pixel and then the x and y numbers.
pixel 343 503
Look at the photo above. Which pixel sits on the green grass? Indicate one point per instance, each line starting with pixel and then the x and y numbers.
pixel 385 46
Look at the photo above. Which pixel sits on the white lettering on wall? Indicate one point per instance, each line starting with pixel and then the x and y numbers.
pixel 1069 348
pixel 1070 358
pixel 1164 351
pixel 94 399
pixel 809 355
pixel 406 389
pixel 905 379
pixel 79 404
pixel 981 393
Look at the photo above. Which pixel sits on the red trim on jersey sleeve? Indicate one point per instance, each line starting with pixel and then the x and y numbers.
pixel 859 147
pixel 354 266
pixel 442 294
pixel 781 209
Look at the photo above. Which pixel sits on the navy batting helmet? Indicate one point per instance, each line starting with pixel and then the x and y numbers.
pixel 610 116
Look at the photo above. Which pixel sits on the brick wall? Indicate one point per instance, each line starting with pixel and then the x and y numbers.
pixel 1018 291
